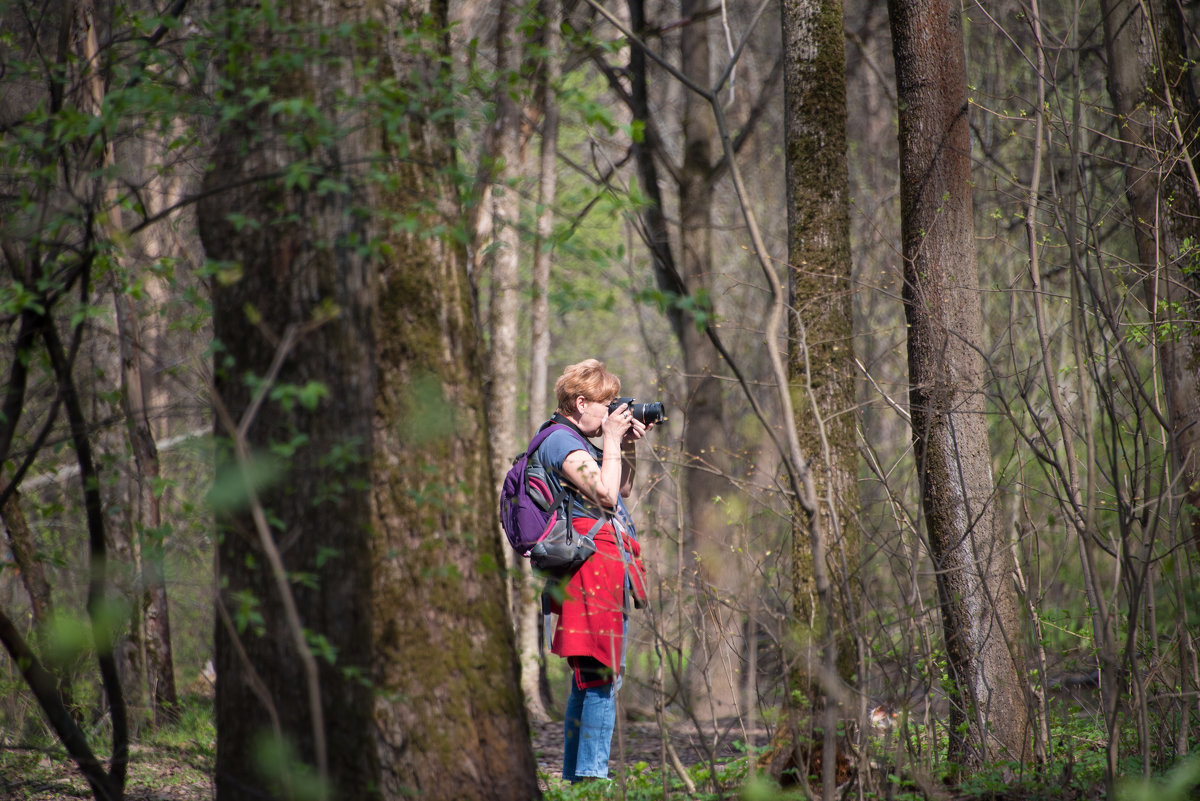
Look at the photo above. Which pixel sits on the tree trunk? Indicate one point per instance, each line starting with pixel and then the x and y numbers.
pixel 716 660
pixel 503 262
pixel 145 653
pixel 445 643
pixel 533 665
pixel 821 327
pixel 381 555
pixel 1156 106
pixel 706 532
pixel 499 238
pixel 504 252
pixel 267 614
pixel 988 716
pixel 146 516
pixel 24 551
pixel 23 545
pixel 543 246
pixel 288 268
pixel 820 353
pixel 821 346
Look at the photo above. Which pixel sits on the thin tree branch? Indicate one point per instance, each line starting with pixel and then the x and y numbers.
pixel 238 431
pixel 98 581
pixel 44 687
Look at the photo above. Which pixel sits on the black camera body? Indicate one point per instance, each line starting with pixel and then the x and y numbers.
pixel 648 413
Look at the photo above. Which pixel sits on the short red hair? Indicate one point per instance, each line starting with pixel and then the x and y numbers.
pixel 587 378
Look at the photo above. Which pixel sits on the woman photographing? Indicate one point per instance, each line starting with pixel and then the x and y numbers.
pixel 593 604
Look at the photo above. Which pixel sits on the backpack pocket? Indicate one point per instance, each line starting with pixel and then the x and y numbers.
pixel 561 550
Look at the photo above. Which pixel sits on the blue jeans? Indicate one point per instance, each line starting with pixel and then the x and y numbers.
pixel 587 731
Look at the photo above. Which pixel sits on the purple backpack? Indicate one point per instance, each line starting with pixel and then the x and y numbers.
pixel 534 517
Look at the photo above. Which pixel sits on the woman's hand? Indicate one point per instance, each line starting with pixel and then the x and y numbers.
pixel 618 423
pixel 637 429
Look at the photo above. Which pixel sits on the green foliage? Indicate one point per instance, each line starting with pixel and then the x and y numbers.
pixel 697 306
pixel 246 614
pixel 285 773
pixel 1189 257
pixel 1179 784
pixel 321 647
pixel 175 758
pixel 289 396
pixel 68 635
pixel 234 485
pixel 192 729
pixel 734 778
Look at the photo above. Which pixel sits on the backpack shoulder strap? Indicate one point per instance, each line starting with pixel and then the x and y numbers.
pixel 565 497
pixel 540 437
pixel 549 429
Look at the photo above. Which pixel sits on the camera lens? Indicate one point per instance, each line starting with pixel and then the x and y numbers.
pixel 649 412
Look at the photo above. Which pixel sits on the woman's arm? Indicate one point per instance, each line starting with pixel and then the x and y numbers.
pixel 604 482
pixel 600 482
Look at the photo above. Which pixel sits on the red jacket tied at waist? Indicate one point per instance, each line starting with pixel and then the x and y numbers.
pixel 590 621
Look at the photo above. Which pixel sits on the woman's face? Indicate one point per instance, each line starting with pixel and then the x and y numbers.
pixel 591 414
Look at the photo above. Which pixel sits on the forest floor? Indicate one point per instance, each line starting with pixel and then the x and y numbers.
pixel 174 773
pixel 185 772
pixel 177 764
pixel 639 746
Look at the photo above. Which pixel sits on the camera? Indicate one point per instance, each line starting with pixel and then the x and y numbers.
pixel 648 413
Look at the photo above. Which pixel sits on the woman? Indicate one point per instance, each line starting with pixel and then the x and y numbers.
pixel 591 607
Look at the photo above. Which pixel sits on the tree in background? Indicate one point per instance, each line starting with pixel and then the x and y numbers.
pixel 1088 492
pixel 684 271
pixel 523 48
pixel 69 105
pixel 821 347
pixel 362 639
pixel 1155 102
pixel 528 611
pixel 718 654
pixel 971 557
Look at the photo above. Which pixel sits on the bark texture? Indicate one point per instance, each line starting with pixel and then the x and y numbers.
pixel 503 247
pixel 821 352
pixel 451 719
pixel 296 265
pixel 381 552
pixel 1156 105
pixel 146 515
pixel 989 718
pixel 24 552
pixel 534 684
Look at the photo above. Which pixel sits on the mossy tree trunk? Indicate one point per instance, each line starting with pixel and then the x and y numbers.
pixel 446 650
pixel 821 346
pixel 821 371
pixel 362 629
pixel 971 557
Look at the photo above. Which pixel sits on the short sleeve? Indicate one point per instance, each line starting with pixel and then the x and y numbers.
pixel 555 448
